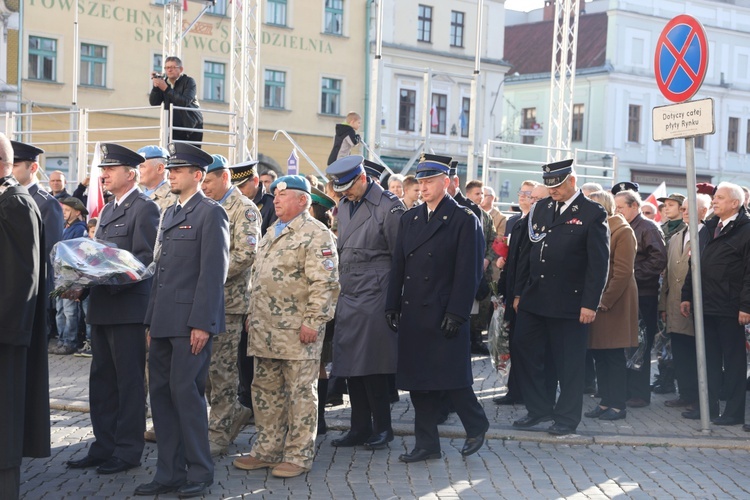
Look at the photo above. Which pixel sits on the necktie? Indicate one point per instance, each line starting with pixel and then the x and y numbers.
pixel 177 208
pixel 429 215
pixel 717 231
pixel 558 208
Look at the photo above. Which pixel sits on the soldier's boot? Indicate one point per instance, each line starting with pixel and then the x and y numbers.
pixel 241 420
pixel 322 394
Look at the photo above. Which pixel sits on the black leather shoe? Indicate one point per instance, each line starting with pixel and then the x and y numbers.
pixel 348 440
pixel 193 489
pixel 479 348
pixel 561 430
pixel 379 441
pixel 442 418
pixel 692 414
pixel 418 455
pixel 506 400
pixel 727 421
pixel 472 445
pixel 153 488
pixel 612 414
pixel 529 421
pixel 115 465
pixel 595 413
pixel 85 462
pixel 664 389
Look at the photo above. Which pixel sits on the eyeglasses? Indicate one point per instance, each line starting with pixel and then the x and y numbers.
pixel 171 67
pixel 525 194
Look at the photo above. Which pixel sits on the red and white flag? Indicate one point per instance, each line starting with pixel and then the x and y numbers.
pixel 95 201
pixel 434 121
pixel 660 192
pixel 184 4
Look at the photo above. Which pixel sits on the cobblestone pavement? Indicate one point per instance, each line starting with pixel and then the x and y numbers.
pixel 653 453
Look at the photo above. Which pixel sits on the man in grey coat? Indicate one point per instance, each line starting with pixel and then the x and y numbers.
pixel 116 385
pixel 185 310
pixel 364 347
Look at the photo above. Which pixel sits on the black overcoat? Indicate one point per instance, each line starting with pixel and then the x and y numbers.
pixel 436 270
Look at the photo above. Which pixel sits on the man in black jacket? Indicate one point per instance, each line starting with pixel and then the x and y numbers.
pixel 177 89
pixel 725 283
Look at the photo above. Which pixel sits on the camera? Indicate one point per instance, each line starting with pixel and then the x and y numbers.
pixel 159 76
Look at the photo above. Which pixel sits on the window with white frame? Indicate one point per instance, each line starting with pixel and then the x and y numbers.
pixel 407 110
pixel 42 58
pixel 438 113
pixel 457 29
pixel 93 65
pixel 424 24
pixel 274 89
pixel 214 82
pixel 330 96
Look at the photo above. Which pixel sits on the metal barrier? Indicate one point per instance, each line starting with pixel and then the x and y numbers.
pixel 302 151
pixel 515 159
pixel 229 134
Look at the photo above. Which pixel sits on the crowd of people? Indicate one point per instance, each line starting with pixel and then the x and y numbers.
pixel 271 292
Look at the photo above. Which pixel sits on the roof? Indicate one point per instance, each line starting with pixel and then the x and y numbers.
pixel 528 47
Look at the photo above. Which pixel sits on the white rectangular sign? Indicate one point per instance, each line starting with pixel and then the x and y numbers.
pixel 686 119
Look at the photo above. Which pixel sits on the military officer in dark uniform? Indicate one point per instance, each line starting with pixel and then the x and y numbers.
pixel 185 309
pixel 24 393
pixel 245 177
pixel 561 273
pixel 25 167
pixel 116 383
pixel 373 170
pixel 435 274
pixel 364 347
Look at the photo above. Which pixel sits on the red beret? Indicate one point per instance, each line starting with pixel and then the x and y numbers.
pixel 705 188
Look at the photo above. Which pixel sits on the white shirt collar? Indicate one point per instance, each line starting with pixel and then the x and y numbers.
pixel 567 202
pixel 183 203
pixel 726 221
pixel 125 196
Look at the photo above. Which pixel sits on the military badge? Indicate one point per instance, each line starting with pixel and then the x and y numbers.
pixel 574 208
pixel 549 205
pixel 172 149
pixel 327 252
pixel 576 222
pixel 185 227
pixel 251 215
pixel 281 186
pixel 398 208
pixel 328 265
pixel 104 150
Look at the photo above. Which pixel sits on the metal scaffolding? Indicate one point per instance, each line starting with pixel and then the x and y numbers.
pixel 562 79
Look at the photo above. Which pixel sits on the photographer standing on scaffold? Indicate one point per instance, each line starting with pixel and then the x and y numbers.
pixel 178 89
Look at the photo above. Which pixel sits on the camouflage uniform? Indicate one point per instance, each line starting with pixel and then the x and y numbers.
pixel 294 283
pixel 163 196
pixel 226 416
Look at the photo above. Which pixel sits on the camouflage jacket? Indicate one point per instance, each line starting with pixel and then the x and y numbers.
pixel 244 234
pixel 295 282
pixel 163 197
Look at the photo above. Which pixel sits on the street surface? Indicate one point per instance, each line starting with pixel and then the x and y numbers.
pixel 653 453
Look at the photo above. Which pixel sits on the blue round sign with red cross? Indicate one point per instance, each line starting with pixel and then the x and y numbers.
pixel 681 58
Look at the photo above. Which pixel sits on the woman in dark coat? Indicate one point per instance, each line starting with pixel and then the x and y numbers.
pixel 616 324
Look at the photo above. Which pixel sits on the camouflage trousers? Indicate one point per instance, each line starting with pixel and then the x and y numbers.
pixel 227 414
pixel 285 402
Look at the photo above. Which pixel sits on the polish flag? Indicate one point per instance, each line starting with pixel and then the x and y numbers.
pixel 660 192
pixel 434 116
pixel 184 4
pixel 95 202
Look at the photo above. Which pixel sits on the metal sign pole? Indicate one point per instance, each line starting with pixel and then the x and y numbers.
pixel 695 266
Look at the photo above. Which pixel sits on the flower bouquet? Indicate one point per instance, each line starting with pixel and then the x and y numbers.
pixel 500 246
pixel 497 335
pixel 81 263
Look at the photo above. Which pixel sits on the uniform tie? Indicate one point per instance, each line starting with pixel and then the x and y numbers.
pixel 177 208
pixel 558 209
pixel 429 215
pixel 717 231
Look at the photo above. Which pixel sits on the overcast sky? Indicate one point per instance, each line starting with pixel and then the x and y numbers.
pixel 524 5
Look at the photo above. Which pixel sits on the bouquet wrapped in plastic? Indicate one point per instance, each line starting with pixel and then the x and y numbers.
pixel 81 263
pixel 636 356
pixel 497 336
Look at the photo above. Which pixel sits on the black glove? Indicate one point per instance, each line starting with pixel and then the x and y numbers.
pixel 392 318
pixel 450 326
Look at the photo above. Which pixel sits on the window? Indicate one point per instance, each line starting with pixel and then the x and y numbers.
pixel 219 8
pixel 157 63
pixel 407 109
pixel 700 142
pixel 424 24
pixel 334 17
pixel 93 65
pixel 42 58
pixel 733 134
pixel 438 113
pixel 276 12
pixel 214 84
pixel 457 29
pixel 576 131
pixel 747 138
pixel 529 120
pixel 273 95
pixel 330 97
pixel 634 123
pixel 463 119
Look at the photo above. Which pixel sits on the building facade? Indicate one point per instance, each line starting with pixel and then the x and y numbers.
pixel 312 64
pixel 615 88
